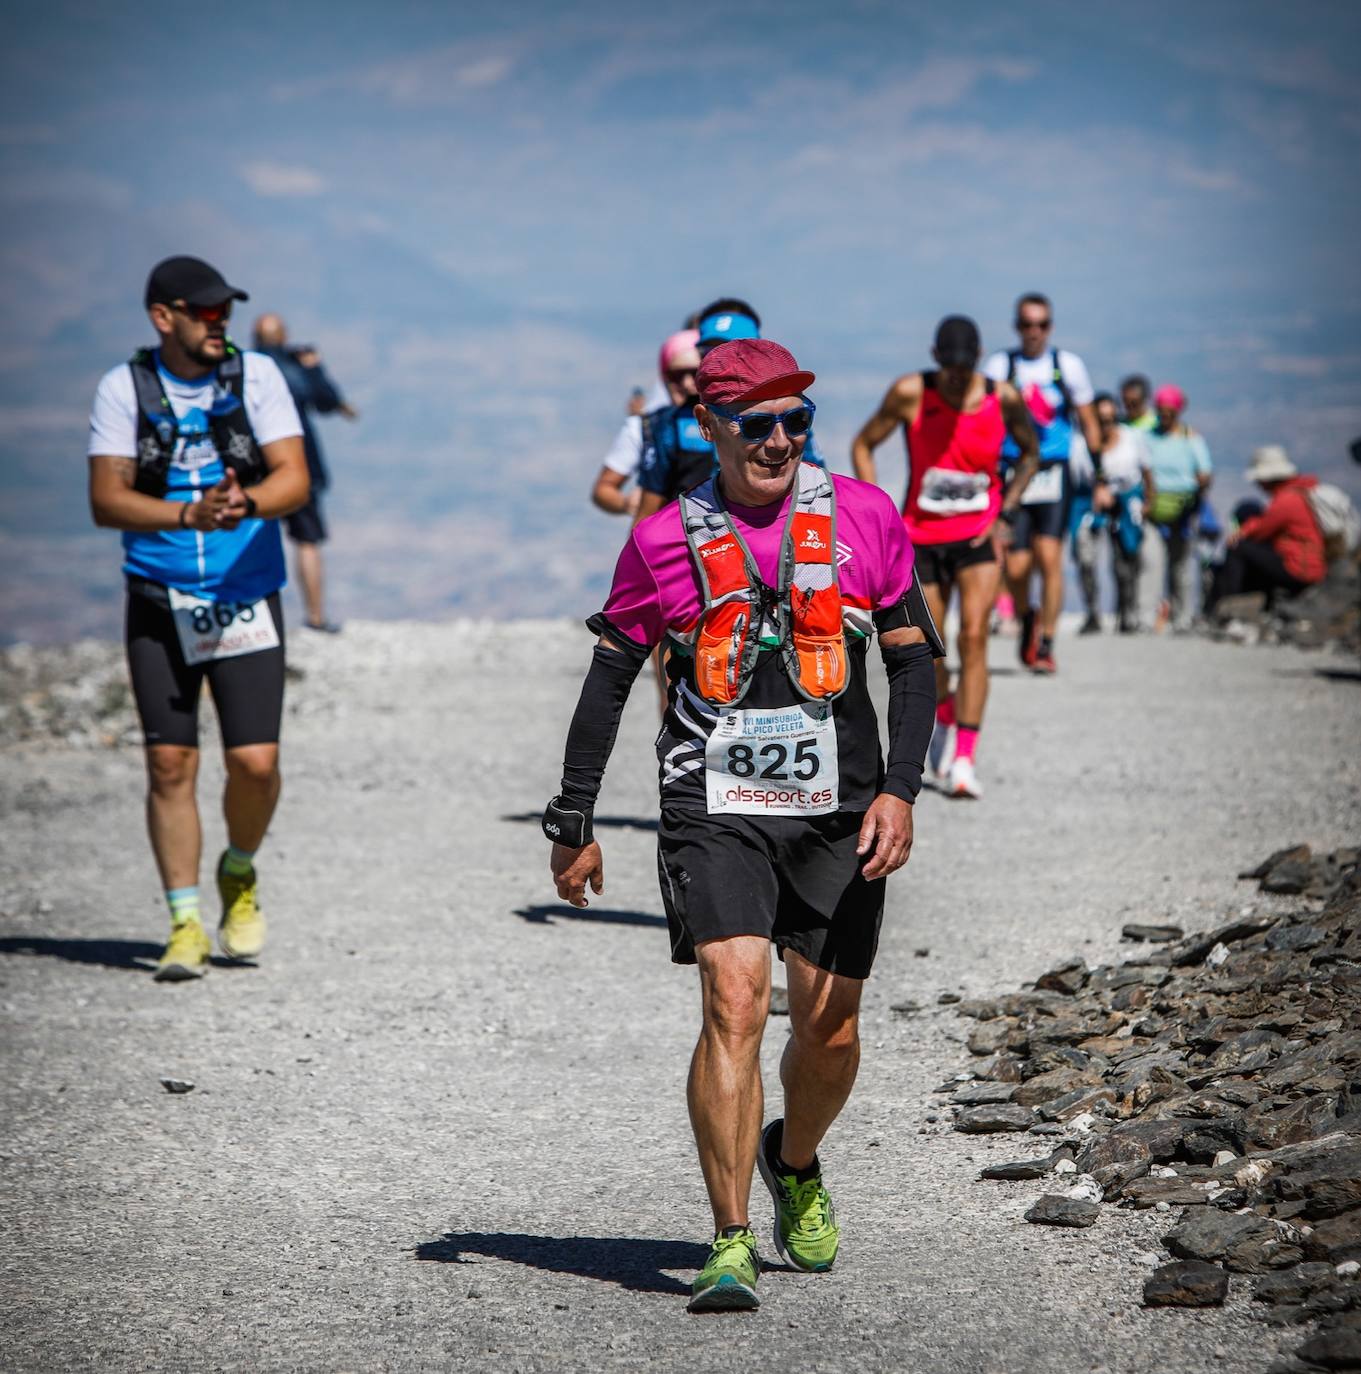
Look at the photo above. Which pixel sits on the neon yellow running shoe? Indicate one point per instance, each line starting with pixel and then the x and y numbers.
pixel 727 1283
pixel 241 932
pixel 186 956
pixel 806 1233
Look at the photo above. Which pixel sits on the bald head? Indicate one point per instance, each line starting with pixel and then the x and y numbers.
pixel 270 332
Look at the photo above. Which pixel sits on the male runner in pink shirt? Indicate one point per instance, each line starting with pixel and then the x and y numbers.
pixel 779 818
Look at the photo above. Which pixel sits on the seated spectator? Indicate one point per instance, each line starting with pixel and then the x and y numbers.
pixel 1280 550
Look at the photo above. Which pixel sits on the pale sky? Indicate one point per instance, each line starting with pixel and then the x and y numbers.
pixel 488 217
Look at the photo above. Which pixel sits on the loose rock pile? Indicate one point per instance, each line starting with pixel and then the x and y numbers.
pixel 76 693
pixel 1329 613
pixel 1218 1073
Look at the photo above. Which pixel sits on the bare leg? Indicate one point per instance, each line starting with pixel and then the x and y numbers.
pixel 937 596
pixel 1049 559
pixel 172 813
pixel 977 591
pixel 1020 564
pixel 310 577
pixel 821 1058
pixel 251 793
pixel 724 1091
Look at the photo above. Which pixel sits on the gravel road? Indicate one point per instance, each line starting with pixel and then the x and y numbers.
pixel 443 1124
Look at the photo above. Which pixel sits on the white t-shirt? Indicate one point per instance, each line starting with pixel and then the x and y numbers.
pixel 113 418
pixel 243 564
pixel 1038 371
pixel 1123 464
pixel 626 452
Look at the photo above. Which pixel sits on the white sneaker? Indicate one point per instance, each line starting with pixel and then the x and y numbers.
pixel 938 751
pixel 962 781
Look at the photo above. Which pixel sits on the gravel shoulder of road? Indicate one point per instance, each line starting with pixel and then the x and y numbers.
pixel 443 1123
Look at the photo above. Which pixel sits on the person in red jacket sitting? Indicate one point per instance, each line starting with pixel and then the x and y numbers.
pixel 1280 550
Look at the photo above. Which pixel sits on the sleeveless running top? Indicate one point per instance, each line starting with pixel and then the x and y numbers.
pixel 953 487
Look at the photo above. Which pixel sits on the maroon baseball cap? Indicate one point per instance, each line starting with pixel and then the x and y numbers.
pixel 747 370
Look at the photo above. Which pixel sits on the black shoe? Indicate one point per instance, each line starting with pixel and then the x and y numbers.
pixel 1091 626
pixel 1029 641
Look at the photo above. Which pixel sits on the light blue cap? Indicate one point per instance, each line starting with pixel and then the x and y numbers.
pixel 724 327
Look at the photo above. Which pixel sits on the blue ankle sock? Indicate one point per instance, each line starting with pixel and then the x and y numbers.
pixel 238 862
pixel 183 903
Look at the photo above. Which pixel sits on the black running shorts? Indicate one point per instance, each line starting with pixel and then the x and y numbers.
pixel 794 880
pixel 942 562
pixel 1046 518
pixel 306 525
pixel 248 690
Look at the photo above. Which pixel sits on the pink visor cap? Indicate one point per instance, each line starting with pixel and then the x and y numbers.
pixel 681 343
pixel 1169 397
pixel 748 370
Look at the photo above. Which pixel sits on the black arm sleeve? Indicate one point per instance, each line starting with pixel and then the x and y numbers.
pixel 911 715
pixel 911 611
pixel 596 722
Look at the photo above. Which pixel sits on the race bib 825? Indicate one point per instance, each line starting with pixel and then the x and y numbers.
pixel 773 761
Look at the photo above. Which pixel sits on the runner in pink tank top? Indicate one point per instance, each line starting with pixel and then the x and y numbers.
pixel 957 514
pixel 953 490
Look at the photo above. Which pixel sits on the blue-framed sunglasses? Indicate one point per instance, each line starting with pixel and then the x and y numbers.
pixel 758 425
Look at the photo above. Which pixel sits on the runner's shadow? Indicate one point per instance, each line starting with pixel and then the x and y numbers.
pixel 630 1262
pixel 138 955
pixel 1339 674
pixel 548 915
pixel 609 822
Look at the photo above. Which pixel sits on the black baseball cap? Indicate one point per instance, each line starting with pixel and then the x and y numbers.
pixel 957 342
pixel 190 280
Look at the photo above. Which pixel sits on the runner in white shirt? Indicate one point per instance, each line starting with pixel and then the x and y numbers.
pixel 1124 465
pixel 626 452
pixel 1058 391
pixel 195 453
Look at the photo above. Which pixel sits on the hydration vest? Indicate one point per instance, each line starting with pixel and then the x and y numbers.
pixel 158 430
pixel 687 457
pixel 1062 416
pixel 1056 376
pixel 802 617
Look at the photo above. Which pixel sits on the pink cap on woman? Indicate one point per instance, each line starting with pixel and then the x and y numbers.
pixel 1169 397
pixel 680 343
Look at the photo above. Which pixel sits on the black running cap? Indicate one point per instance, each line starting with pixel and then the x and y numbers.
pixel 190 280
pixel 957 342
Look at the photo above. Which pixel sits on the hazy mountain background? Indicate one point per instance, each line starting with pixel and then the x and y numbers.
pixel 487 217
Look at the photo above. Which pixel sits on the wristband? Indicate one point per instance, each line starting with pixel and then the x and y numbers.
pixel 564 826
pixel 250 508
pixel 184 514
pixel 1008 515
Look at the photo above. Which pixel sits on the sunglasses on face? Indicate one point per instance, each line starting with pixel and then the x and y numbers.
pixel 759 425
pixel 205 314
pixel 1033 324
pixel 679 374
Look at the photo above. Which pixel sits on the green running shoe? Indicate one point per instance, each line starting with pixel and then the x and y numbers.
pixel 806 1233
pixel 727 1283
pixel 241 935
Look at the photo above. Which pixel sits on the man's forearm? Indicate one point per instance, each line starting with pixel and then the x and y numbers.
pixel 281 493
pixel 1021 474
pixel 911 715
pixel 136 512
pixel 595 723
pixel 862 461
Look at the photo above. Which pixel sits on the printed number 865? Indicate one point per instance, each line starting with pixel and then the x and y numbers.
pixel 220 614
